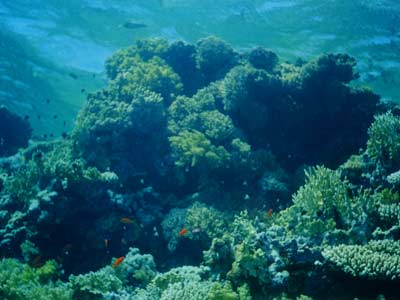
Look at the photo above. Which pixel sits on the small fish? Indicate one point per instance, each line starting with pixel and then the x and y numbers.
pixel 196 230
pixel 123 241
pixel 64 135
pixel 127 221
pixel 26 117
pixel 55 116
pixel 72 75
pixel 133 25
pixel 182 232
pixel 106 242
pixel 269 213
pixel 48 101
pixel 83 91
pixel 118 261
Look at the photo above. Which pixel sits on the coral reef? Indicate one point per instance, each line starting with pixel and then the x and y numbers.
pixel 176 183
pixel 375 260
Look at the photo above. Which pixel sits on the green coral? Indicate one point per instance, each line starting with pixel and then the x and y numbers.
pixel 202 222
pixel 95 285
pixel 122 60
pixel 192 149
pixel 214 57
pixel 154 75
pixel 187 283
pixel 137 269
pixel 384 139
pixel 375 260
pixel 321 205
pixel 20 282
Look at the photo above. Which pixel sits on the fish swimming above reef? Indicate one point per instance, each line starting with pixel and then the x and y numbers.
pixel 133 25
pixel 127 221
pixel 182 232
pixel 118 261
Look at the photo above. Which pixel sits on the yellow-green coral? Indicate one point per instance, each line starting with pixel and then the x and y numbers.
pixel 384 138
pixel 193 149
pixel 21 282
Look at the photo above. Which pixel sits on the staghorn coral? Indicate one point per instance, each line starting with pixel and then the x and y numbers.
pixel 375 260
pixel 384 139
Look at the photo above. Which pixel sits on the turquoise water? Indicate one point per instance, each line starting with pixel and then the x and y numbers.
pixel 199 150
pixel 60 38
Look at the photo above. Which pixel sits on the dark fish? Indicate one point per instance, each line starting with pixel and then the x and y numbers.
pixel 72 75
pixel 64 135
pixel 83 91
pixel 47 101
pixel 55 117
pixel 133 25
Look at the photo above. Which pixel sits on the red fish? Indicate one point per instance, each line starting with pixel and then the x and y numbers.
pixel 269 213
pixel 182 232
pixel 118 261
pixel 127 221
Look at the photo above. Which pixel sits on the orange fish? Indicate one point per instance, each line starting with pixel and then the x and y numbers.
pixel 182 232
pixel 127 221
pixel 269 213
pixel 118 261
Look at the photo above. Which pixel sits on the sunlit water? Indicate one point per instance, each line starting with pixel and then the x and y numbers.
pixel 52 52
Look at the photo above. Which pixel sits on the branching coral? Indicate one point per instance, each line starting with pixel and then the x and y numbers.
pixel 376 260
pixel 384 139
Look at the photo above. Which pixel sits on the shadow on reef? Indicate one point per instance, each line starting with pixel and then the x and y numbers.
pixel 194 153
pixel 15 132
